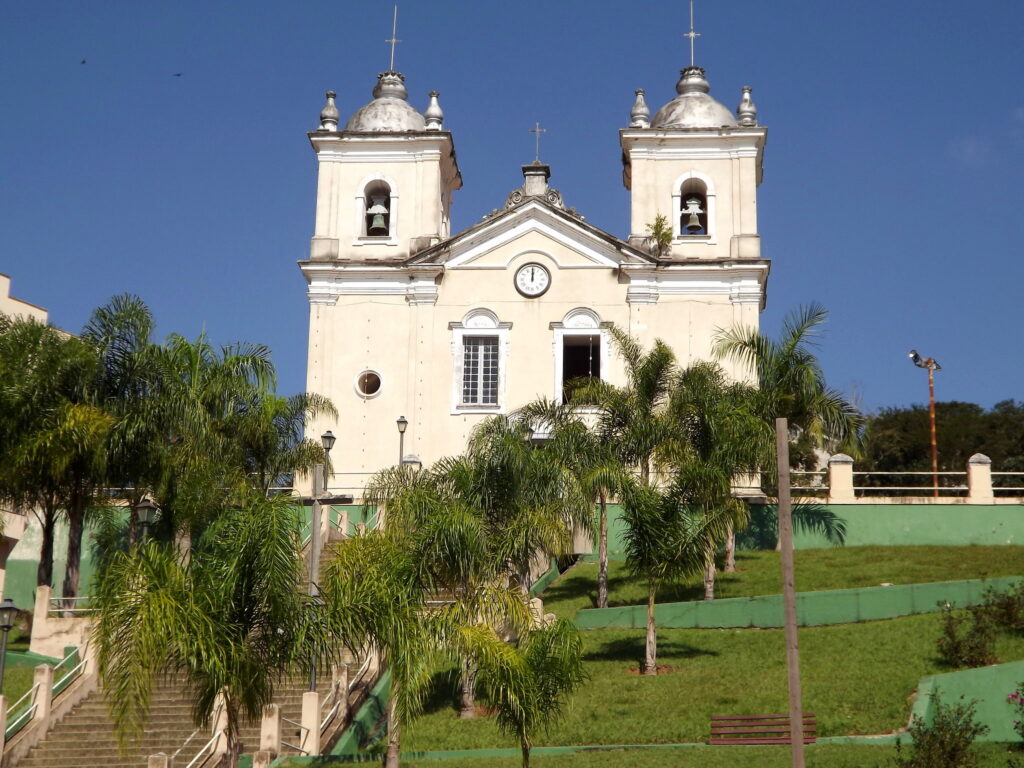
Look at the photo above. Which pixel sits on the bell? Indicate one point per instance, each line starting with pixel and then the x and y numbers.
pixel 693 225
pixel 378 224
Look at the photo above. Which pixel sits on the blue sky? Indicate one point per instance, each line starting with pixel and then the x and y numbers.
pixel 892 190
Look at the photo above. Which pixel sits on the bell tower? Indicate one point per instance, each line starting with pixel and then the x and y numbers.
pixel 699 166
pixel 385 180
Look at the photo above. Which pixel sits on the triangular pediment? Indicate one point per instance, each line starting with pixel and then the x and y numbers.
pixel 534 225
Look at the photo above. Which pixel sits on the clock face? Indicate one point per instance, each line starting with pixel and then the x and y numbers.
pixel 532 280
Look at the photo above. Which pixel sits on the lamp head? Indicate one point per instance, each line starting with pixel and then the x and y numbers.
pixel 8 610
pixel 402 424
pixel 915 358
pixel 146 511
pixel 327 439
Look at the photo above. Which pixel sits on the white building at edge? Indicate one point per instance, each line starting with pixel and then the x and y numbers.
pixel 407 319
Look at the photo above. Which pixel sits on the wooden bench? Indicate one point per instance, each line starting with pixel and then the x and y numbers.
pixel 758 729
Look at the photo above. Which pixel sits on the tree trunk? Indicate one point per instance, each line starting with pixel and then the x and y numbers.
pixel 525 746
pixel 730 549
pixel 468 708
pixel 651 647
pixel 76 526
pixel 233 745
pixel 44 573
pixel 602 556
pixel 709 576
pixel 394 733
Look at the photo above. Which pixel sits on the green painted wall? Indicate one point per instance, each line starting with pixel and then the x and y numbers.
pixel 873 525
pixel 366 719
pixel 839 606
pixel 987 686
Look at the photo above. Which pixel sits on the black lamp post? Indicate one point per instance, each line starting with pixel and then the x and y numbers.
pixel 145 510
pixel 932 365
pixel 403 423
pixel 327 441
pixel 8 610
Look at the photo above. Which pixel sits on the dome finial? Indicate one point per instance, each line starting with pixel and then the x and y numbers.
pixel 747 110
pixel 329 114
pixel 394 38
pixel 433 113
pixel 693 36
pixel 640 115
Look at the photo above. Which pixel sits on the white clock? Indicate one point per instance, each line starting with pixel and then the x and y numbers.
pixel 532 280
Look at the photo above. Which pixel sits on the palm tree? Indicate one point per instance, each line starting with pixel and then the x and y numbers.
pixel 600 473
pixel 528 684
pixel 268 435
pixel 666 539
pixel 229 616
pixel 720 436
pixel 790 380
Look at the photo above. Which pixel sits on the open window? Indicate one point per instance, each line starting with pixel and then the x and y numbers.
pixel 581 360
pixel 581 351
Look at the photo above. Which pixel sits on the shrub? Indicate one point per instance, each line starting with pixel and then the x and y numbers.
pixel 968 637
pixel 947 742
pixel 1016 700
pixel 1007 608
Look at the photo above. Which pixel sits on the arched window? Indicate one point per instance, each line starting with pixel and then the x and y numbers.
pixel 377 209
pixel 693 208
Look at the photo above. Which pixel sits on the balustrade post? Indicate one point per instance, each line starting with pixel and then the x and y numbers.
pixel 159 760
pixel 979 480
pixel 220 725
pixel 840 480
pixel 311 723
pixel 43 679
pixel 3 723
pixel 270 730
pixel 340 674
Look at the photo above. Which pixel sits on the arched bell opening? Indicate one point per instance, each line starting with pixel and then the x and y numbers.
pixel 377 201
pixel 693 209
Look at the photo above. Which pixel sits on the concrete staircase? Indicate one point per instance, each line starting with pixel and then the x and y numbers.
pixel 85 738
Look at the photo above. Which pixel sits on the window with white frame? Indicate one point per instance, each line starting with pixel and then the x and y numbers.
pixel 480 344
pixel 480 370
pixel 581 351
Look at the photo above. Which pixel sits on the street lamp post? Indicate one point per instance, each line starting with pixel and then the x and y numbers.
pixel 8 610
pixel 319 489
pixel 932 365
pixel 145 511
pixel 403 424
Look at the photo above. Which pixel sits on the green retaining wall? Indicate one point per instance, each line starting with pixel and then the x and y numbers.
pixel 838 606
pixel 365 720
pixel 988 687
pixel 953 525
pixel 545 581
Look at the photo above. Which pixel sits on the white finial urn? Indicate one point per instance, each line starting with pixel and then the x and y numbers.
pixel 640 115
pixel 433 113
pixel 747 110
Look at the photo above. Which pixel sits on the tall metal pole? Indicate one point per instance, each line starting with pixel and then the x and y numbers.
pixel 319 484
pixel 3 656
pixel 935 445
pixel 796 715
pixel 401 447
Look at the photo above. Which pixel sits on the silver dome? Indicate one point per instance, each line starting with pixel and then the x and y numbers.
pixel 693 107
pixel 389 112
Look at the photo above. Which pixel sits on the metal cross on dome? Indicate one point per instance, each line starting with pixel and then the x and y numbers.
pixel 394 39
pixel 538 131
pixel 692 35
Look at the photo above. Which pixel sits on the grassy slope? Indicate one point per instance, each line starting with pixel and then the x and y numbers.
pixel 990 756
pixel 858 679
pixel 759 574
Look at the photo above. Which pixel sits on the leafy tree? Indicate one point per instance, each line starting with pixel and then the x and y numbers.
pixel 947 742
pixel 660 235
pixel 529 684
pixel 229 616
pixel 790 381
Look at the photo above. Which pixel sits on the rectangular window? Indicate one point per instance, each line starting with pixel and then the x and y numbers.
pixel 581 359
pixel 480 370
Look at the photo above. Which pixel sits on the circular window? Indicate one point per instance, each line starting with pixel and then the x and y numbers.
pixel 368 384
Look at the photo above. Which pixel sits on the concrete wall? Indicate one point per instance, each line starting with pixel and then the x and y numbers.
pixel 838 606
pixel 988 687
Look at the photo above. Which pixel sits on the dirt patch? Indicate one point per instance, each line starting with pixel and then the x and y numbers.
pixel 662 670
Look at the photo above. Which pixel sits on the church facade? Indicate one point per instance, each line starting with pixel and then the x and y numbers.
pixel 409 320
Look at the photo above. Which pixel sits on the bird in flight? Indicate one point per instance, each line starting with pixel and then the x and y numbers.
pixel 178 74
pixel 83 61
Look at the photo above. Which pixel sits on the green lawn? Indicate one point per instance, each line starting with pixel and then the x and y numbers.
pixel 858 679
pixel 818 756
pixel 17 680
pixel 758 573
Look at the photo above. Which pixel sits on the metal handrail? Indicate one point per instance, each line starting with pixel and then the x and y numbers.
pixel 293 746
pixel 57 604
pixel 1004 474
pixel 921 472
pixel 359 675
pixel 71 673
pixel 15 725
pixel 910 488
pixel 185 743
pixel 208 747
pixel 300 725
